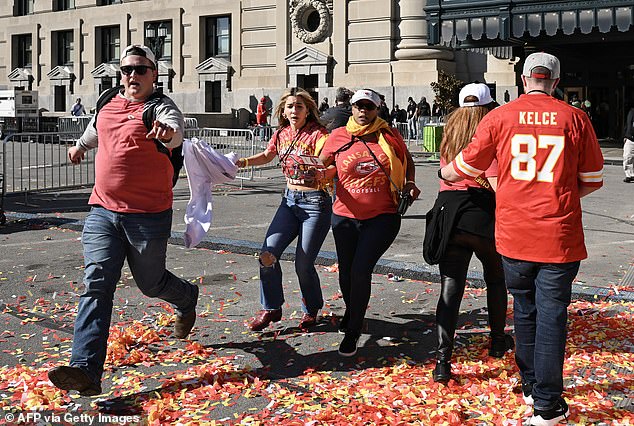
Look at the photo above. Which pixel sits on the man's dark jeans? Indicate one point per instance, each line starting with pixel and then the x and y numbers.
pixel 541 293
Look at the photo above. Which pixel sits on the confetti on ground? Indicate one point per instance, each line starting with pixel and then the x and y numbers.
pixel 192 381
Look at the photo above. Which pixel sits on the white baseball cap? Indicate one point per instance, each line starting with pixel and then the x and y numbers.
pixel 544 60
pixel 479 90
pixel 140 50
pixel 366 94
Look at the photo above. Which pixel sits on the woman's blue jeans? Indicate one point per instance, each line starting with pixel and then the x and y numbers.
pixel 304 215
pixel 360 244
pixel 109 238
pixel 541 295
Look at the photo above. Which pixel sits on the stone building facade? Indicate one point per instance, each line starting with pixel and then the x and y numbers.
pixel 218 57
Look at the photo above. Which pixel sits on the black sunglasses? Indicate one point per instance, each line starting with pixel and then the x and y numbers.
pixel 138 69
pixel 368 106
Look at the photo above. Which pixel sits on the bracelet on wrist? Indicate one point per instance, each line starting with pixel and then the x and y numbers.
pixel 410 181
pixel 440 174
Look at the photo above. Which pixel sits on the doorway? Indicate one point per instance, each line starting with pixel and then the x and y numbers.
pixel 60 98
pixel 310 83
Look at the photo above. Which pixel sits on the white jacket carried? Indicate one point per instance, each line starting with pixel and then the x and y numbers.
pixel 205 168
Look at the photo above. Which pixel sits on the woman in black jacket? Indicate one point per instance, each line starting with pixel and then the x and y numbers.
pixel 470 207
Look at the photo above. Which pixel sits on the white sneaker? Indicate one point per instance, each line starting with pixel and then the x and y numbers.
pixel 552 416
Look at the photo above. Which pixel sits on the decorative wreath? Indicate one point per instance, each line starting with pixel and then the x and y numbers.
pixel 300 10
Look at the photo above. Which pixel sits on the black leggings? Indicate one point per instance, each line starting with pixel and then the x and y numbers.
pixel 360 244
pixel 453 274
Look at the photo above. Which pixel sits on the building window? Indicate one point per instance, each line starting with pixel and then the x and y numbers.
pixel 63 5
pixel 63 47
pixel 109 44
pixel 23 7
pixel 107 2
pixel 218 37
pixel 158 37
pixel 23 50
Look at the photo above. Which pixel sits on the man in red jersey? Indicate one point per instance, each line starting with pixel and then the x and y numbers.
pixel 130 218
pixel 548 158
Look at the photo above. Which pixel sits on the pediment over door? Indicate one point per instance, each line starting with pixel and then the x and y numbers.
pixel 105 70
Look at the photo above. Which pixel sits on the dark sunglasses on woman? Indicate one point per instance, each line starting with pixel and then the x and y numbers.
pixel 138 69
pixel 368 106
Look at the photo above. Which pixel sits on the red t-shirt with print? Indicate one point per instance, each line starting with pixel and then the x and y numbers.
pixel 131 175
pixel 289 145
pixel 363 190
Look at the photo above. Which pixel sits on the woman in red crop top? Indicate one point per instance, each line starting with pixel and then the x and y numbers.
pixel 472 205
pixel 373 165
pixel 304 212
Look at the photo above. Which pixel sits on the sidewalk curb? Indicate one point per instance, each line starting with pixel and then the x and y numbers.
pixel 416 271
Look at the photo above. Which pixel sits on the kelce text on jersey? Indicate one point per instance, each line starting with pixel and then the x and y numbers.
pixel 538 118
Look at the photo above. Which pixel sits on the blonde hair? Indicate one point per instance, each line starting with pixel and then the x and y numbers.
pixel 460 128
pixel 298 92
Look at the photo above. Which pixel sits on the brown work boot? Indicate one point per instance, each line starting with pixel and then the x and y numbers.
pixel 263 318
pixel 184 325
pixel 70 378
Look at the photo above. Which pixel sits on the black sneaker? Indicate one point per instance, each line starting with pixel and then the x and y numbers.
pixel 552 416
pixel 348 346
pixel 527 393
pixel 501 345
pixel 73 378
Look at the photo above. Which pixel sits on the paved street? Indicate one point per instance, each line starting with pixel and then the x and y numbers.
pixel 228 374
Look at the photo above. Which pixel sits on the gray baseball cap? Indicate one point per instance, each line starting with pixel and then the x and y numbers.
pixel 544 60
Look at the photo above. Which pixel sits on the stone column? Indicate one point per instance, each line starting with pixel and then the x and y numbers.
pixel 413 29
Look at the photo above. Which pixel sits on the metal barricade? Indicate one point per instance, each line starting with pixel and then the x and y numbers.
pixel 39 162
pixel 224 141
pixel 73 124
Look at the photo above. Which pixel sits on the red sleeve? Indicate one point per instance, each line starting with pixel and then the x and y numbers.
pixel 272 146
pixel 477 157
pixel 590 156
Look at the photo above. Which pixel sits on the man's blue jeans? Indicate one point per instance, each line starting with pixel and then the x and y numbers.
pixel 108 239
pixel 304 215
pixel 541 293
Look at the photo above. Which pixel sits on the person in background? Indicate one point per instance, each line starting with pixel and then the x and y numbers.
pixel 545 167
pixel 628 147
pixel 130 218
pixel 472 205
pixel 436 110
pixel 586 106
pixel 304 212
pixel 323 106
pixel 384 111
pixel 423 111
pixel 262 113
pixel 373 166
pixel 78 109
pixel 412 118
pixel 338 115
pixel 398 115
pixel 507 97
